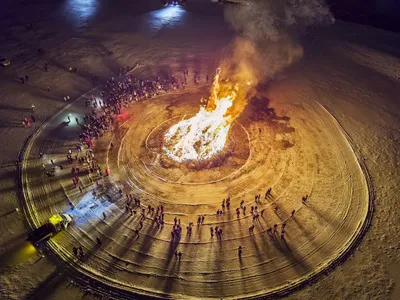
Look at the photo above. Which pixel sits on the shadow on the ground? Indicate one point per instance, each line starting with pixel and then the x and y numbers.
pixel 42 291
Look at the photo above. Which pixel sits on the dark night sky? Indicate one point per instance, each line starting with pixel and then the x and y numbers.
pixel 384 14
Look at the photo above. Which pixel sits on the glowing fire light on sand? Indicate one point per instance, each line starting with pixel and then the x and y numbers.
pixel 205 134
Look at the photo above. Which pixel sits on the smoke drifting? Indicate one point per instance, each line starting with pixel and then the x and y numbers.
pixel 266 42
pixel 263 20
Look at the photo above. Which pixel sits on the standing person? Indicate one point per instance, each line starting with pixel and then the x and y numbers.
pixel 33 108
pixel 26 78
pixel 240 250
pixel 27 123
pixel 48 89
pixel 81 252
pixel 45 66
pixel 22 80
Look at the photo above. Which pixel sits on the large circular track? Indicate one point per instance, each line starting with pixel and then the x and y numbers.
pixel 299 151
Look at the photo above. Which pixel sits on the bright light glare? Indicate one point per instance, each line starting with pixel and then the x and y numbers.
pixel 169 12
pixel 81 8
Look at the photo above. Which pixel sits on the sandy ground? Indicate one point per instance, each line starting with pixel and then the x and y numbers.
pixel 352 74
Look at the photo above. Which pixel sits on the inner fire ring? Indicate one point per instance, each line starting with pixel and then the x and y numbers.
pixel 223 164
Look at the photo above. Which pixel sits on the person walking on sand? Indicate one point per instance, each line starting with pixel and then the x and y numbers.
pixel 268 193
pixel 251 229
pixel 33 108
pixel 27 123
pixel 240 250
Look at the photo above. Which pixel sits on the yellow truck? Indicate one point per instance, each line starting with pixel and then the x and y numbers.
pixel 55 224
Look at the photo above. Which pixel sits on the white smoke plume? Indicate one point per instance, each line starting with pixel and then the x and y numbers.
pixel 267 19
pixel 271 26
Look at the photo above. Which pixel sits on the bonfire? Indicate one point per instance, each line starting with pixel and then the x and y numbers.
pixel 204 135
